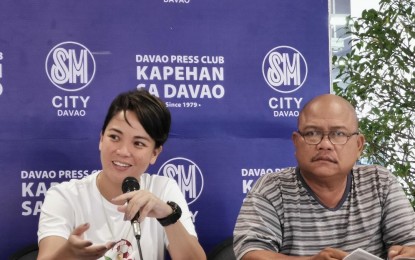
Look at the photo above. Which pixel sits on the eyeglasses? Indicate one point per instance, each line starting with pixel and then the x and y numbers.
pixel 335 137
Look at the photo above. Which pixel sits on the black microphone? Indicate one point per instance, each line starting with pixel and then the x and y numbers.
pixel 131 184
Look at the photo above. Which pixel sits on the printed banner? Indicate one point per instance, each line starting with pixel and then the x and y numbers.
pixel 234 74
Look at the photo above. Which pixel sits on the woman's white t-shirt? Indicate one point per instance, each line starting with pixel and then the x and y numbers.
pixel 76 202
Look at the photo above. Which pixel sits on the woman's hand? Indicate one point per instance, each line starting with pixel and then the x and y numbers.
pixel 76 247
pixel 144 203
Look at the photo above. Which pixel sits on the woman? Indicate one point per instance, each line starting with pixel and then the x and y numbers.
pixel 91 218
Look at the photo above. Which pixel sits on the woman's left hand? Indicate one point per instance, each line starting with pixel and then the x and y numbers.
pixel 143 202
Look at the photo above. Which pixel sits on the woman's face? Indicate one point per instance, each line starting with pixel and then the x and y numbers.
pixel 126 148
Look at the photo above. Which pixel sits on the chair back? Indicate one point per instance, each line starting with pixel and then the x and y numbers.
pixel 223 251
pixel 26 253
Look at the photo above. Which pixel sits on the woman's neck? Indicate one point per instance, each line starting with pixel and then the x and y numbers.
pixel 107 189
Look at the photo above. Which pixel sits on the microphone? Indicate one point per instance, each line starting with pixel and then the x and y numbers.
pixel 131 184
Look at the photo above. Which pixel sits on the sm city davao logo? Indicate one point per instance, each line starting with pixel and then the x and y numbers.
pixel 187 174
pixel 70 66
pixel 284 69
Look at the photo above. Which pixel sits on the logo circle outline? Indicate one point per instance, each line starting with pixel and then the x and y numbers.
pixel 90 54
pixel 305 64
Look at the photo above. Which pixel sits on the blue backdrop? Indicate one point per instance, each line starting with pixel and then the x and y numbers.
pixel 233 73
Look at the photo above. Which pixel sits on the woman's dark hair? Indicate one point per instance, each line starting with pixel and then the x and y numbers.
pixel 151 112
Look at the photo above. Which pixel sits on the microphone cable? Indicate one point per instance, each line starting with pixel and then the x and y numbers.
pixel 139 245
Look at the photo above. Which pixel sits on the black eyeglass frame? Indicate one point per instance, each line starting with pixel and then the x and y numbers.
pixel 328 136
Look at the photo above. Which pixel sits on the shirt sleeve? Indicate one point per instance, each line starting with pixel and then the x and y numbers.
pixel 56 217
pixel 258 226
pixel 186 218
pixel 173 193
pixel 398 222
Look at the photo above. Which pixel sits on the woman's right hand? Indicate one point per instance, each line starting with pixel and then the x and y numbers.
pixel 76 247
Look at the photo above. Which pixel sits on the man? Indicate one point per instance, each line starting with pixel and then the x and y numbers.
pixel 327 206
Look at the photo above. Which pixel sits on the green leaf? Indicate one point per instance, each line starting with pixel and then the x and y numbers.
pixel 380 75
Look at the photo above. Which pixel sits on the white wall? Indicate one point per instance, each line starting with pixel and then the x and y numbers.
pixel 357 6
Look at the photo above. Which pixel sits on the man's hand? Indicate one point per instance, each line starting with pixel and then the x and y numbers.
pixel 325 254
pixel 330 254
pixel 400 252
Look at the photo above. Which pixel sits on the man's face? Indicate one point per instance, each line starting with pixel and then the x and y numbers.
pixel 326 159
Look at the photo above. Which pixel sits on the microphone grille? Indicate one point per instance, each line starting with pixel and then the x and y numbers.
pixel 130 184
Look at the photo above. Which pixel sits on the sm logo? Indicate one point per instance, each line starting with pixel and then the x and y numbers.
pixel 70 66
pixel 284 69
pixel 187 174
